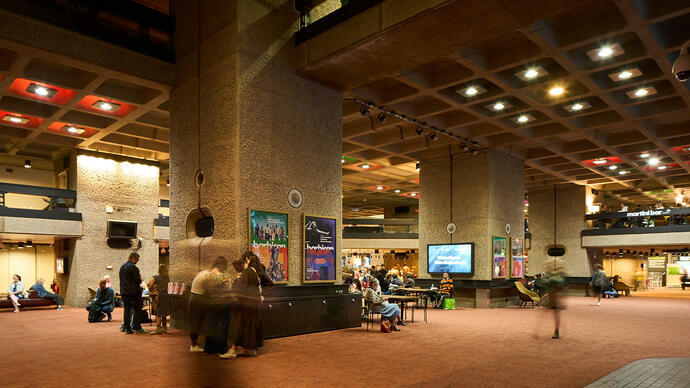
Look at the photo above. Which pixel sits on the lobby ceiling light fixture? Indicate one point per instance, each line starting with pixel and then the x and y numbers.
pixel 523 119
pixel 73 129
pixel 653 161
pixel 600 161
pixel 29 243
pixel 27 163
pixel 556 91
pixel 499 106
pixel 42 91
pixel 106 105
pixel 644 155
pixel 641 92
pixel 578 106
pixel 20 245
pixel 605 52
pixel 397 191
pixel 472 91
pixel 623 172
pixel 15 119
pixel 531 73
pixel 662 167
pixel 613 167
pixel 422 127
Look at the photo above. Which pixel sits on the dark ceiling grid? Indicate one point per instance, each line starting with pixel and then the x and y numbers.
pixel 618 119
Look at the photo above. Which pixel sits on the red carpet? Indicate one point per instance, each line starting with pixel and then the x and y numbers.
pixel 464 348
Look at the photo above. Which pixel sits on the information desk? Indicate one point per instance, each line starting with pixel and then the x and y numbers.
pixel 295 310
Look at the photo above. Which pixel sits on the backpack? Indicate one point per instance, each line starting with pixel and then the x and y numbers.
pixel 95 315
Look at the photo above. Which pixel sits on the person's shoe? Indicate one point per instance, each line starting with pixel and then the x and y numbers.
pixel 141 331
pixel 110 319
pixel 128 331
pixel 122 328
pixel 393 328
pixel 598 303
pixel 196 349
pixel 401 323
pixel 555 335
pixel 229 355
pixel 16 311
pixel 164 329
pixel 249 353
pixel 58 308
pixel 158 330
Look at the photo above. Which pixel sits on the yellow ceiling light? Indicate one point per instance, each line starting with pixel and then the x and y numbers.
pixel 556 91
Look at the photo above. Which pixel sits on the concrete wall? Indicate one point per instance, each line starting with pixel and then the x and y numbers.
pixel 570 221
pixel 21 225
pixel 636 240
pixel 130 186
pixel 487 192
pixel 262 131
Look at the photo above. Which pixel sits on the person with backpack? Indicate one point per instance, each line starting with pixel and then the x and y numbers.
pixel 598 282
pixel 103 304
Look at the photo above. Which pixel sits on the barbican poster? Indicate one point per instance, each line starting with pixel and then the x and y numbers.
pixel 319 249
pixel 268 239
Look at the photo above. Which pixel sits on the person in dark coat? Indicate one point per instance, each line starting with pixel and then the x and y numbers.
pixel 246 326
pixel 104 302
pixel 130 290
pixel 158 291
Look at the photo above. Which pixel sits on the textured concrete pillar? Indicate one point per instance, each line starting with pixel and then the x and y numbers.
pixel 480 194
pixel 130 188
pixel 240 114
pixel 571 207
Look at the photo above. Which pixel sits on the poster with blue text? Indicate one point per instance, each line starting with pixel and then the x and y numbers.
pixel 268 239
pixel 319 249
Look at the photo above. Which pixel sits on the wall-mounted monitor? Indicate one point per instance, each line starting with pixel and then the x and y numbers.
pixel 122 229
pixel 452 258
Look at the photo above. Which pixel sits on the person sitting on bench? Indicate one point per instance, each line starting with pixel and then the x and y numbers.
pixel 444 290
pixel 45 294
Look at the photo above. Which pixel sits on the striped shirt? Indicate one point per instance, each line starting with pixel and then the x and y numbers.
pixel 446 286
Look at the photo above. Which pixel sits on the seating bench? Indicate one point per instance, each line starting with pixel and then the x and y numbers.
pixel 32 301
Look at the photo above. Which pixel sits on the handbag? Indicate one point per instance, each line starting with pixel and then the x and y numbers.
pixel 385 326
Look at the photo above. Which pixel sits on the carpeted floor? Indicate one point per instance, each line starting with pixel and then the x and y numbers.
pixel 507 347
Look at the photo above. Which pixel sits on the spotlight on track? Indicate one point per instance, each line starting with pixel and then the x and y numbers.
pixel 364 111
pixel 419 131
pixel 381 117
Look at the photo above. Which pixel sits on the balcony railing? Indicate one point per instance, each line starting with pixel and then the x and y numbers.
pixel 638 222
pixel 366 228
pixel 38 202
pixel 310 26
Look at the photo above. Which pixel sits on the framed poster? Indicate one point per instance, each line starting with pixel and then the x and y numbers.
pixel 517 257
pixel 499 258
pixel 60 265
pixel 268 239
pixel 319 249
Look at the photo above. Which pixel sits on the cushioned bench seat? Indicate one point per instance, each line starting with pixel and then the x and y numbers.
pixel 32 301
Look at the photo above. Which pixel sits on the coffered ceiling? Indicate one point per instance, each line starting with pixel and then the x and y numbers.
pixel 586 96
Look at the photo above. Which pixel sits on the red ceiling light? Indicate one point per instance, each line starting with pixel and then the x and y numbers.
pixel 602 161
pixel 20 120
pixel 105 106
pixel 412 194
pixel 41 91
pixel 364 166
pixel 379 188
pixel 71 129
pixel 682 149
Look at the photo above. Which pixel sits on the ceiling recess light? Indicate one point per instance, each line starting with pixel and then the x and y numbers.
pixel 342 160
pixel 20 245
pixel 42 91
pixel 623 172
pixel 641 92
pixel 472 91
pixel 29 243
pixel 613 167
pixel 600 161
pixel 522 119
pixel 653 161
pixel 662 167
pixel 605 52
pixel 106 105
pixel 499 106
pixel 73 129
pixel 397 190
pixel 531 73
pixel 355 210
pixel 556 91
pixel 644 155
pixel 15 119
pixel 365 166
pixel 379 187
pixel 413 194
pixel 27 164
pixel 578 106
pixel 624 74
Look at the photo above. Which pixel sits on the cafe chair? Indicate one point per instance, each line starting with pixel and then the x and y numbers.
pixel 370 316
pixel 92 293
pixel 621 287
pixel 527 296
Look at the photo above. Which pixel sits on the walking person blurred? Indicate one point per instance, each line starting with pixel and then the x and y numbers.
pixel 556 282
pixel 598 281
pixel 203 282
pixel 130 290
pixel 158 292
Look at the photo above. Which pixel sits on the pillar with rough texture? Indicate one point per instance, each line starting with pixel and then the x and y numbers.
pixel 254 129
pixel 480 195
pixel 571 207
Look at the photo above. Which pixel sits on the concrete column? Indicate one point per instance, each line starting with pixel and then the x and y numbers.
pixel 571 207
pixel 128 186
pixel 240 114
pixel 480 194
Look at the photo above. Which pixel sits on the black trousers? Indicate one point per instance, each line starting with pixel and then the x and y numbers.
pixel 58 298
pixel 133 305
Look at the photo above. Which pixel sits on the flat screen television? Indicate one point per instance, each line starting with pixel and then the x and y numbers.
pixel 122 229
pixel 455 258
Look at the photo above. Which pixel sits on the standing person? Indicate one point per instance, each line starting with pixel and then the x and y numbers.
pixel 246 329
pixel 130 290
pixel 54 287
pixel 104 301
pixel 45 294
pixel 598 282
pixel 202 285
pixel 556 282
pixel 16 292
pixel 158 292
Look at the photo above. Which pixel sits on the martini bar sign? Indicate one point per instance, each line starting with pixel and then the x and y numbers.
pixel 649 213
